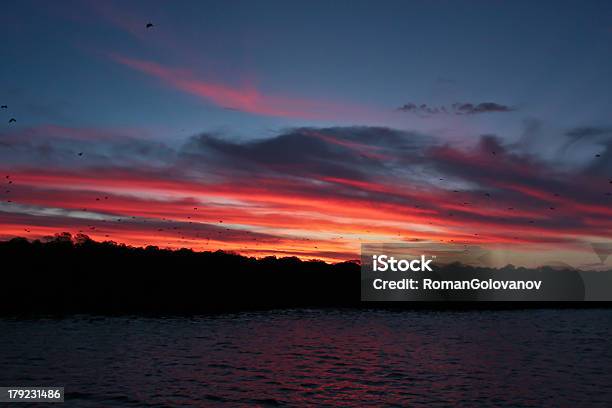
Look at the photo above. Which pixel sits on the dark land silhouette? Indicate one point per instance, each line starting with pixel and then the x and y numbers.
pixel 76 274
pixel 66 274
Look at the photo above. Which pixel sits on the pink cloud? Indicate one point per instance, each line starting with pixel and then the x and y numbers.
pixel 246 98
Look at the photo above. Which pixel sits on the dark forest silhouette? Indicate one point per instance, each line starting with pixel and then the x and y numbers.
pixel 66 274
pixel 77 274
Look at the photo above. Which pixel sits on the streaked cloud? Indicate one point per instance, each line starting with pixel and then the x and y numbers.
pixel 311 192
pixel 246 98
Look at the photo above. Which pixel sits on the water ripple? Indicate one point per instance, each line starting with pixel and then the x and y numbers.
pixel 318 357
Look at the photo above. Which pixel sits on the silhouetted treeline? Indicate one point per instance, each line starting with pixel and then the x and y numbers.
pixel 66 274
pixel 75 275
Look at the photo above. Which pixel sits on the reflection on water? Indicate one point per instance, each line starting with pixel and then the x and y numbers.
pixel 318 357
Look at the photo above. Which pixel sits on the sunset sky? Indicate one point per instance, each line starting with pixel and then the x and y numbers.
pixel 308 128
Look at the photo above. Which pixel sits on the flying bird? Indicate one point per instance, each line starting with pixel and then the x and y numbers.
pixel 150 25
pixel 12 120
pixel 3 107
pixel 80 153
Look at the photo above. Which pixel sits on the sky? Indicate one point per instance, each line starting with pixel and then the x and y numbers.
pixel 308 128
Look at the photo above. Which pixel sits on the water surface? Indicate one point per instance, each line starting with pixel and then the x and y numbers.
pixel 318 357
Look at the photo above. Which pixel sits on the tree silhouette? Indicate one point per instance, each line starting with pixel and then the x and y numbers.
pixel 76 274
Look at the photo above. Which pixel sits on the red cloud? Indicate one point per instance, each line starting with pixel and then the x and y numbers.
pixel 246 98
pixel 313 210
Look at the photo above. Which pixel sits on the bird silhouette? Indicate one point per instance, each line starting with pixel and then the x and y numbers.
pixel 3 107
pixel 12 120
pixel 149 25
pixel 80 153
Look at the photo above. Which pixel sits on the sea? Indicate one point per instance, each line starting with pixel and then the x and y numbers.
pixel 322 357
